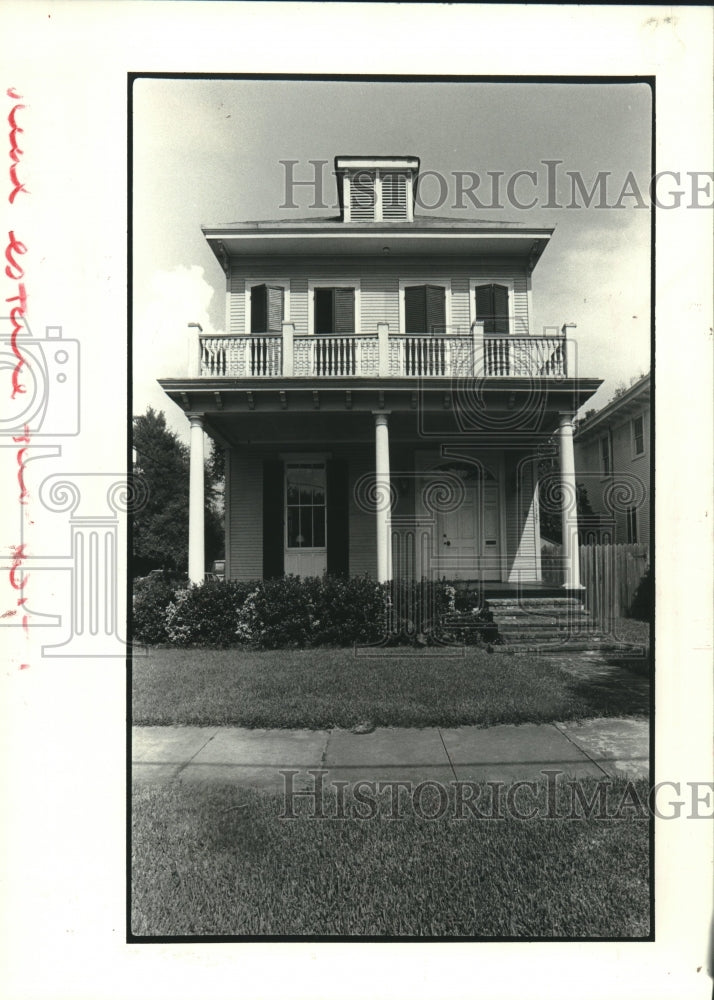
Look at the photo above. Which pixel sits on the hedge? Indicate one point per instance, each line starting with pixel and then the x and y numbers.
pixel 297 613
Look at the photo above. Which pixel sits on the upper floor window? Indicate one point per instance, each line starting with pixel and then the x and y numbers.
pixel 493 307
pixel 638 436
pixel 424 309
pixel 267 305
pixel 425 305
pixel 333 305
pixel 606 455
pixel 334 310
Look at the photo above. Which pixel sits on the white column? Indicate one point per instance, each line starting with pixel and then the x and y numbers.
pixel 196 542
pixel 569 510
pixel 383 498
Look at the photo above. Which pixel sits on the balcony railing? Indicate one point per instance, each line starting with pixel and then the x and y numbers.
pixel 382 355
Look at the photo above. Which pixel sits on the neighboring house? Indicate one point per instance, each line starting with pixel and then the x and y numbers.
pixel 612 461
pixel 380 394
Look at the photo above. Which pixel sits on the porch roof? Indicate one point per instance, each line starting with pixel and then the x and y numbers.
pixel 498 412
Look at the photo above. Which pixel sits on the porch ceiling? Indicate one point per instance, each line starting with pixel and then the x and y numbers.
pixel 499 412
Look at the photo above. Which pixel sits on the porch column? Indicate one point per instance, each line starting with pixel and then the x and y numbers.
pixel 383 498
pixel 196 542
pixel 569 510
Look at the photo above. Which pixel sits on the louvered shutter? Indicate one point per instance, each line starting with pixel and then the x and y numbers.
pixel 415 309
pixel 344 310
pixel 435 297
pixel 275 310
pixel 492 308
pixel 337 518
pixel 500 309
pixel 258 309
pixel 362 197
pixel 394 196
pixel 273 506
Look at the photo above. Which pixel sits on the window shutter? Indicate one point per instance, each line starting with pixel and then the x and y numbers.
pixel 273 506
pixel 258 309
pixel 362 196
pixel 425 309
pixel 492 308
pixel 394 196
pixel 275 310
pixel 337 518
pixel 500 309
pixel 435 309
pixel 344 310
pixel 415 309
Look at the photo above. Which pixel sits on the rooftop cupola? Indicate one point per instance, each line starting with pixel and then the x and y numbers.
pixel 377 188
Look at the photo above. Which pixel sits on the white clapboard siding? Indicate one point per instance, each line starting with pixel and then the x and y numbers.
pixel 245 548
pixel 379 282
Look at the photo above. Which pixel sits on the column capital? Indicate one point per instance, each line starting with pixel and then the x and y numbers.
pixel 566 418
pixel 195 419
pixel 381 417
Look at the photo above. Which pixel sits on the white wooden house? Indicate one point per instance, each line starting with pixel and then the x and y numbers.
pixel 380 393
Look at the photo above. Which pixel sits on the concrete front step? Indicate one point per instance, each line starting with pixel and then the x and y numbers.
pixel 557 624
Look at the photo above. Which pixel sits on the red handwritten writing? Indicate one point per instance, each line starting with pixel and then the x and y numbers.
pixel 15 151
pixel 15 272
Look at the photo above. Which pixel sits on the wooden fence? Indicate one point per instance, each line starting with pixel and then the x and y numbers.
pixel 609 573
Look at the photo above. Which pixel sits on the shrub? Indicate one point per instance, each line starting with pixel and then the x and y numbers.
pixel 152 596
pixel 291 612
pixel 642 606
pixel 294 612
pixel 206 614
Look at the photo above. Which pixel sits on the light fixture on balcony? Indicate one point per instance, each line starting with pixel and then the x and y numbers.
pixel 385 251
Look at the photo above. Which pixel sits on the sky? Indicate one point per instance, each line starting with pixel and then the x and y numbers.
pixel 210 151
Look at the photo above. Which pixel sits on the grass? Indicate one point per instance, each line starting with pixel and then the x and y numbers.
pixel 324 688
pixel 218 860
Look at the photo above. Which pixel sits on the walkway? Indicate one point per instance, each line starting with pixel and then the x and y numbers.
pixel 601 748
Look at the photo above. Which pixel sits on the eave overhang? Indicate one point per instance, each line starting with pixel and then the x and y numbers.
pixel 377 240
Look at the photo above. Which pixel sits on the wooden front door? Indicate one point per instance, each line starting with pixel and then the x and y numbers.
pixel 465 531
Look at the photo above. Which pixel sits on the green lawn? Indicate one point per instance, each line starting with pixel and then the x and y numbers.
pixel 218 860
pixel 324 688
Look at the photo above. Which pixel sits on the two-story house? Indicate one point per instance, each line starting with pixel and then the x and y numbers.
pixel 380 393
pixel 612 461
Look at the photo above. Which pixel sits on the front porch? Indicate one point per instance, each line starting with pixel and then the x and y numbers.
pixel 431 479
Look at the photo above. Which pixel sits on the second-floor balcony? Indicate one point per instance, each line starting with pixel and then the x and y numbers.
pixel 451 354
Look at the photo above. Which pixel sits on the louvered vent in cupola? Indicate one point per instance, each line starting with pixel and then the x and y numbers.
pixel 377 188
pixel 394 197
pixel 363 196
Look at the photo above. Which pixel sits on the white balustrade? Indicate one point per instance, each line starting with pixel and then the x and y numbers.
pixel 349 355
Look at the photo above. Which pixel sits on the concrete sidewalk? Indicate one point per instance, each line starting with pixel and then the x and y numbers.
pixel 601 748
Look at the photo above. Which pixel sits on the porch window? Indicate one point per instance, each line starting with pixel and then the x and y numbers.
pixel 425 309
pixel 334 310
pixel 606 455
pixel 305 498
pixel 492 308
pixel 638 436
pixel 267 309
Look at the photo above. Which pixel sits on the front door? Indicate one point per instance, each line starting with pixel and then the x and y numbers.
pixel 466 524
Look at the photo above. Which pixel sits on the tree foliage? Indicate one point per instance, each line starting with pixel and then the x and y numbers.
pixel 160 527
